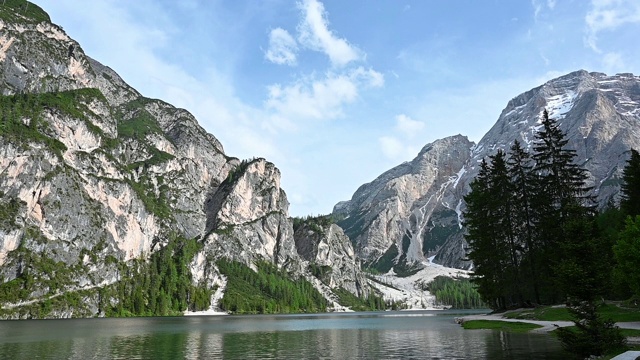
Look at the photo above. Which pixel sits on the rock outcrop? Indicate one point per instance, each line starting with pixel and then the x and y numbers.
pixel 330 256
pixel 248 218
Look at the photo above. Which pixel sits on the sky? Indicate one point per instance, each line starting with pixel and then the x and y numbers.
pixel 336 92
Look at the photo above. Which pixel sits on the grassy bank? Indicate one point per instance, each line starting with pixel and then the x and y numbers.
pixel 516 327
pixel 548 313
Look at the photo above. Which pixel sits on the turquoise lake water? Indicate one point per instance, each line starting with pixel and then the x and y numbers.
pixel 374 335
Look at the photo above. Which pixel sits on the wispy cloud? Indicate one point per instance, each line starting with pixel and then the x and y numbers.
pixel 551 4
pixel 391 147
pixel 314 33
pixel 608 15
pixel 613 62
pixel 539 5
pixel 282 48
pixel 313 96
pixel 405 142
pixel 408 126
pixel 310 98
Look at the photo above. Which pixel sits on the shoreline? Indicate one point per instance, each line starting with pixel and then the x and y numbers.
pixel 205 313
pixel 547 326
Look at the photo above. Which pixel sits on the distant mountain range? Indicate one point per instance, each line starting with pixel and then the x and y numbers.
pixel 95 179
pixel 412 213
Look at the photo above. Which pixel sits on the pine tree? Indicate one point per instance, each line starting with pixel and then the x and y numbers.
pixel 627 253
pixel 502 210
pixel 487 248
pixel 522 177
pixel 560 197
pixel 630 201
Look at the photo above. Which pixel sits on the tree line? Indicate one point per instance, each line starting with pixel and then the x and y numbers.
pixel 160 286
pixel 457 293
pixel 268 290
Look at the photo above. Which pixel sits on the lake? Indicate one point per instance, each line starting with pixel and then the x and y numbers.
pixel 363 335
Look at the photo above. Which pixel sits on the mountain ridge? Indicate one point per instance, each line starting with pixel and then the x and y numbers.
pixel 601 117
pixel 100 181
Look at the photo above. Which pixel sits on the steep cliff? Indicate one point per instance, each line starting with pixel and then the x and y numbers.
pixel 330 255
pixel 410 213
pixel 102 187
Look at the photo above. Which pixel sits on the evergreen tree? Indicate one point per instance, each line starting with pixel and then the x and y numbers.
pixel 560 197
pixel 594 336
pixel 523 179
pixel 487 271
pixel 502 210
pixel 627 254
pixel 630 201
pixel 490 236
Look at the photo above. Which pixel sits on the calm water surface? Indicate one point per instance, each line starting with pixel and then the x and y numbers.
pixel 386 335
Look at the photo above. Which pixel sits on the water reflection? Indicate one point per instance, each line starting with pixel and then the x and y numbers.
pixel 324 336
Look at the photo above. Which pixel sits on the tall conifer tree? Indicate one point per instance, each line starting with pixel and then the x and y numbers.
pixel 503 213
pixel 481 236
pixel 520 168
pixel 630 202
pixel 560 197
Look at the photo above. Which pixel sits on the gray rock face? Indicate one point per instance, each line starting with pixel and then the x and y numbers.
pixel 600 115
pixel 93 175
pixel 331 257
pixel 397 208
pixel 248 218
pixel 128 170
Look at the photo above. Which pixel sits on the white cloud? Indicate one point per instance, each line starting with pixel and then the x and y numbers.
pixel 408 126
pixel 538 6
pixel 609 15
pixel 311 98
pixel 406 143
pixel 282 47
pixel 396 149
pixel 370 77
pixel 314 33
pixel 391 147
pixel 613 62
pixel 551 4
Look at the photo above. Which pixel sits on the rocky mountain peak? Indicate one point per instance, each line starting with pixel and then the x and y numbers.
pixel 599 113
pixel 98 179
pixel 392 211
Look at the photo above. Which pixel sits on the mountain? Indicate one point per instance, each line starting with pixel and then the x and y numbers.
pixel 411 214
pixel 102 188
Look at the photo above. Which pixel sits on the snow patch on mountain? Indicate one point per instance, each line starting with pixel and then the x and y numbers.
pixel 559 105
pixel 408 290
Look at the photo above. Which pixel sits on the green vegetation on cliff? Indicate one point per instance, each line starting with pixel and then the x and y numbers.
pixel 22 11
pixel 160 286
pixel 267 291
pixel 457 293
pixel 371 302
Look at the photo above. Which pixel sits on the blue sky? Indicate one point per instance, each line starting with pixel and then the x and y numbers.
pixel 335 92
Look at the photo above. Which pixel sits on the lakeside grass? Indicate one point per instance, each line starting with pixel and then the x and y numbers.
pixel 630 332
pixel 516 327
pixel 548 313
